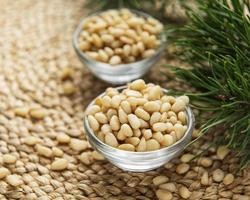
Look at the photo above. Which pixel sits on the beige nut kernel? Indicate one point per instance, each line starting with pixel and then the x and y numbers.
pixel 111 140
pixel 182 168
pixel 57 152
pixel 158 136
pixel 63 138
pixel 44 151
pixel 31 140
pixel 205 161
pixel 4 172
pixel 110 113
pixel 115 60
pixel 69 89
pixel 14 180
pixel 127 147
pixel 21 111
pixel 109 51
pixel 101 118
pixel 152 106
pixel 115 101
pixel 126 107
pixel 168 186
pixel 78 145
pixel 160 126
pixel 178 106
pixel 114 123
pixel 179 130
pixel 184 98
pixel 222 152
pixel 97 156
pixel 158 180
pixel 218 175
pixel 142 145
pixel 9 159
pixel 204 178
pixel 137 133
pixel 163 194
pixel 147 134
pixel 123 117
pixel 154 93
pixel 59 164
pixel 167 140
pixel 93 109
pixel 104 57
pixel 182 117
pixel 38 113
pixel 142 114
pixel 126 130
pixel 134 121
pixel 152 145
pixel 106 101
pixel 93 123
pixel 107 38
pixel 228 179
pixel 184 192
pixel 155 117
pixel 165 107
pixel 138 85
pixel 133 93
pixel 185 158
pixel 133 140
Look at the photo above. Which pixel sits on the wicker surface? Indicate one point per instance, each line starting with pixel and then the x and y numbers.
pixel 36 49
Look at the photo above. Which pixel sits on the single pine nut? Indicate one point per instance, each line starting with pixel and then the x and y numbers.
pixel 158 136
pixel 126 107
pixel 93 109
pixel 101 118
pixel 222 152
pixel 154 93
pixel 78 145
pixel 126 40
pixel 114 123
pixel 205 161
pixel 106 128
pixel 167 140
pixel 59 164
pixel 163 194
pixel 164 117
pixel 140 46
pixel 173 120
pixel 218 175
pixel 111 140
pixel 138 85
pixel 97 40
pixel 97 156
pixel 168 186
pixel 107 38
pixel 103 55
pixel 147 134
pixel 158 180
pixel 126 130
pixel 182 168
pixel 115 60
pixel 228 179
pixel 4 172
pixel 112 92
pixel 57 152
pixel 9 159
pixel 110 113
pixel 101 136
pixel 160 126
pixel 171 114
pixel 133 93
pixel 185 99
pixel 148 53
pixel 116 32
pixel 179 130
pixel 144 124
pixel 178 106
pixel 106 101
pixel 31 140
pixel 134 121
pixel 137 133
pixel 152 145
pixel 185 158
pixel 133 140
pixel 142 145
pixel 204 178
pixel 38 113
pixel 184 192
pixel 119 51
pixel 126 50
pixel 155 117
pixel 134 50
pixel 169 99
pixel 115 101
pixel 126 147
pixel 142 114
pixel 123 117
pixel 165 107
pixel 109 51
pixel 44 151
pixel 14 180
pixel 93 55
pixel 152 106
pixel 22 111
pixel 84 46
pixel 93 123
pixel 182 117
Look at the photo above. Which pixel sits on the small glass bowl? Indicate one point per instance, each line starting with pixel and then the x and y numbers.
pixel 122 73
pixel 140 161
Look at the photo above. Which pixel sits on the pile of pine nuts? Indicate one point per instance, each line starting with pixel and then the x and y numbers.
pixel 140 118
pixel 119 36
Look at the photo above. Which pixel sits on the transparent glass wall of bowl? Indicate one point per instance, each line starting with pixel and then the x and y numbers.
pixel 122 73
pixel 140 161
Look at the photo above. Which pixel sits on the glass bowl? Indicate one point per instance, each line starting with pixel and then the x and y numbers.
pixel 140 161
pixel 122 73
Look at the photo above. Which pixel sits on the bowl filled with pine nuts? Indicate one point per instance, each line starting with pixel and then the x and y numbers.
pixel 139 127
pixel 119 46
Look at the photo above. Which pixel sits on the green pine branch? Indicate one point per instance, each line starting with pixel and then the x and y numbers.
pixel 216 43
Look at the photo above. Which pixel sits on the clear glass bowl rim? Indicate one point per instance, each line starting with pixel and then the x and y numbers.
pixel 106 66
pixel 116 151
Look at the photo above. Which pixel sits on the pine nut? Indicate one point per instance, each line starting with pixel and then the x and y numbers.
pixel 110 139
pixel 158 136
pixel 182 168
pixel 152 106
pixel 93 123
pixel 57 152
pixel 110 113
pixel 106 128
pixel 103 55
pixel 115 60
pixel 59 164
pixel 154 93
pixel 179 130
pixel 4 172
pixel 44 151
pixel 137 133
pixel 152 145
pixel 147 134
pixel 126 130
pixel 126 106
pixel 14 180
pixel 182 117
pixel 138 85
pixel 78 145
pixel 126 147
pixel 101 118
pixel 142 145
pixel 31 140
pixel 22 111
pixel 148 53
pixel 142 114
pixel 178 106
pixel 165 107
pixel 38 113
pixel 114 123
pixel 106 101
pixel 228 179
pixel 204 178
pixel 107 38
pixel 109 51
pixel 134 121
pixel 222 152
pixel 161 127
pixel 218 175
pixel 9 159
pixel 168 186
pixel 167 140
pixel 158 180
pixel 164 194
pixel 123 117
pixel 133 140
pixel 185 158
pixel 115 101
pixel 205 162
pixel 184 192
pixel 93 109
